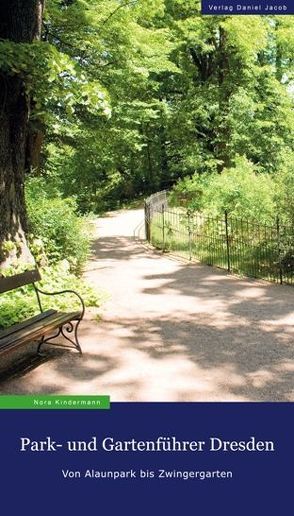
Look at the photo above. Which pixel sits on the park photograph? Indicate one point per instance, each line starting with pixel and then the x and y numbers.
pixel 146 202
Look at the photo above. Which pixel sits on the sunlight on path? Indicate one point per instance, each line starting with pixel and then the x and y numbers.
pixel 172 331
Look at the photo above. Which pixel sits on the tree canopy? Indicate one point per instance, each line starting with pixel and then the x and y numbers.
pixel 125 97
pixel 182 93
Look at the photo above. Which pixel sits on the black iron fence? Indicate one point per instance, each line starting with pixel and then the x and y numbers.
pixel 244 247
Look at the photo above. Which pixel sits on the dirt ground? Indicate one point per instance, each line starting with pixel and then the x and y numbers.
pixel 171 331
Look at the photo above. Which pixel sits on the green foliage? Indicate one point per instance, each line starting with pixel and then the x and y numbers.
pixel 137 94
pixel 57 232
pixel 284 197
pixel 20 304
pixel 124 47
pixel 188 94
pixel 51 77
pixel 240 190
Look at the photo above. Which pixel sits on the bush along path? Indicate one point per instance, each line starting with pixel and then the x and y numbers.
pixel 172 331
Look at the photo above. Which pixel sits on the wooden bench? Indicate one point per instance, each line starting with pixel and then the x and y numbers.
pixel 45 327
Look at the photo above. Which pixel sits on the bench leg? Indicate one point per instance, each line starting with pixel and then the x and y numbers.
pixel 64 331
pixel 77 338
pixel 69 328
pixel 39 346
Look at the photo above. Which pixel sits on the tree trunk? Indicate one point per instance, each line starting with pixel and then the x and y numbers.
pixel 20 22
pixel 35 139
pixel 225 91
pixel 164 164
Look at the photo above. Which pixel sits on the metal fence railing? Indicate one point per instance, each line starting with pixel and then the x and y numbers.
pixel 244 247
pixel 152 205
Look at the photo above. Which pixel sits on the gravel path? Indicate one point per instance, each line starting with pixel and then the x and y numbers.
pixel 172 331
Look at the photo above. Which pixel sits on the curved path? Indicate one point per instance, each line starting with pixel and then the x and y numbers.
pixel 173 331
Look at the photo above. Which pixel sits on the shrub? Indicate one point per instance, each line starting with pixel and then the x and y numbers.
pixel 285 190
pixel 189 192
pixel 20 304
pixel 240 190
pixel 59 240
pixel 57 232
pixel 243 192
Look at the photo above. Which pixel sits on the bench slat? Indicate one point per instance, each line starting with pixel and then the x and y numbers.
pixel 19 280
pixel 37 329
pixel 24 324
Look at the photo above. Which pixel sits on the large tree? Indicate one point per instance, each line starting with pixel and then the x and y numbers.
pixel 20 23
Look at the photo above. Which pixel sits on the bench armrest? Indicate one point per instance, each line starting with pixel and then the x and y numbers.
pixel 68 291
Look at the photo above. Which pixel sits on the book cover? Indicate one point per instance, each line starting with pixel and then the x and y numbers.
pixel 146 256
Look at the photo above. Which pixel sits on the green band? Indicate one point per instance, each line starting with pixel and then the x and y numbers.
pixel 54 402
